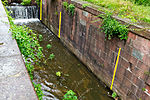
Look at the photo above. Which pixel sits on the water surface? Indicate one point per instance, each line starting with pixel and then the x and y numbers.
pixel 75 75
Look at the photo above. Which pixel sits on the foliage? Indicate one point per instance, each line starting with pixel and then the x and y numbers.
pixel 51 56
pixel 5 2
pixel 40 37
pixel 25 2
pixel 143 89
pixel 49 46
pixel 124 8
pixel 65 4
pixel 114 95
pixel 38 2
pixel 58 74
pixel 70 95
pixel 69 7
pixel 30 48
pixel 111 27
pixel 38 90
pixel 141 2
pixel 85 5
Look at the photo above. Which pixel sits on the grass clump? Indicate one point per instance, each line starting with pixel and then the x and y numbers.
pixel 69 7
pixel 70 95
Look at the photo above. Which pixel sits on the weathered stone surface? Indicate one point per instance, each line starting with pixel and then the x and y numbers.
pixel 86 40
pixel 15 83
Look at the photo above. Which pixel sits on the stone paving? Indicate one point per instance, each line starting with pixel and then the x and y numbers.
pixel 15 83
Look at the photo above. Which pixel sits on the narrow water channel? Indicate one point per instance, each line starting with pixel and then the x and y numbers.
pixel 75 76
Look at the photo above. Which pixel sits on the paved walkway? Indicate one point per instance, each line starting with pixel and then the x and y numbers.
pixel 15 83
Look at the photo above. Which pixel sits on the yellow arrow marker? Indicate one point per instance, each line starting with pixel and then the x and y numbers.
pixel 115 68
pixel 41 10
pixel 59 25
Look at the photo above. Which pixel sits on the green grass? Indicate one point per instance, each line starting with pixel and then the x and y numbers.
pixel 125 9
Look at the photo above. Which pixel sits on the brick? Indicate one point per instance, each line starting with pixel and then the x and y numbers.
pixel 131 96
pixel 120 73
pixel 146 59
pixel 131 35
pixel 138 82
pixel 124 62
pixel 128 74
pixel 137 72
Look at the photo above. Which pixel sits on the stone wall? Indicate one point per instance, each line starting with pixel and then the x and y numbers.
pixel 84 38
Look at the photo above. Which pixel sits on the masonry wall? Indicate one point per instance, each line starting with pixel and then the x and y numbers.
pixel 84 38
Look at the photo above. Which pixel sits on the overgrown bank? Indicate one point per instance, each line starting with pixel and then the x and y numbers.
pixel 132 9
pixel 30 48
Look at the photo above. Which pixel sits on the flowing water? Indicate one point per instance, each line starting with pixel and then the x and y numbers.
pixel 75 76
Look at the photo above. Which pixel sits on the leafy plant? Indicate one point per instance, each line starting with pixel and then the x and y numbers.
pixel 70 95
pixel 5 2
pixel 51 56
pixel 38 90
pixel 143 89
pixel 69 7
pixel 66 5
pixel 49 46
pixel 111 27
pixel 85 5
pixel 40 37
pixel 114 95
pixel 26 2
pixel 30 48
pixel 38 2
pixel 58 74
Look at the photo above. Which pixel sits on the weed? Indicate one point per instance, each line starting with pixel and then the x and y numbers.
pixel 51 56
pixel 49 46
pixel 111 27
pixel 25 2
pixel 58 74
pixel 69 7
pixel 38 2
pixel 40 37
pixel 114 95
pixel 143 89
pixel 5 2
pixel 70 95
pixel 38 90
pixel 85 5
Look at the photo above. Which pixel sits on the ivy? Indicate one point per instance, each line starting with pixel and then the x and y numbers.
pixel 111 27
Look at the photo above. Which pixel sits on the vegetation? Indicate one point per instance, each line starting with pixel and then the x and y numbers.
pixel 51 56
pixel 30 48
pixel 5 2
pixel 126 8
pixel 40 37
pixel 112 28
pixel 69 7
pixel 70 95
pixel 114 95
pixel 38 90
pixel 49 46
pixel 58 74
pixel 26 2
pixel 38 2
pixel 85 5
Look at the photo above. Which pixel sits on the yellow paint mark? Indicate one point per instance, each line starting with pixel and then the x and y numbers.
pixel 41 10
pixel 59 25
pixel 115 68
